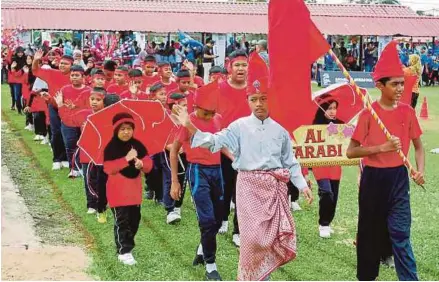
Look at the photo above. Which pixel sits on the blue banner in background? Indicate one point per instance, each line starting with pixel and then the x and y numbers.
pixel 186 40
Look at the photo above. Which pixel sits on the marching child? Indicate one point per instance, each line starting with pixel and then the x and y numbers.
pixel 204 175
pixel 124 158
pixel 120 81
pixel 384 201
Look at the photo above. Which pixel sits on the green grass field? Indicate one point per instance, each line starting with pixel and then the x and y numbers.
pixel 165 252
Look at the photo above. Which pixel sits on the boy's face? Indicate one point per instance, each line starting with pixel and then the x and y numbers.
pixel 204 114
pixel 239 70
pixel 109 74
pixel 96 102
pixel 65 65
pixel 258 103
pixel 160 96
pixel 76 78
pixel 137 81
pixel 166 72
pixel 98 81
pixel 393 89
pixel 119 77
pixel 149 68
pixel 184 84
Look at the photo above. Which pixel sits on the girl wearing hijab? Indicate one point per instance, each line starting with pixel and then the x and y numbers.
pixel 328 178
pixel 124 158
pixel 414 68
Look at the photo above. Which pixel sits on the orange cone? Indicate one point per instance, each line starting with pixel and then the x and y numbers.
pixel 424 109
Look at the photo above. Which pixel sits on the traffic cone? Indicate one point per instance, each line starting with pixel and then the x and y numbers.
pixel 424 109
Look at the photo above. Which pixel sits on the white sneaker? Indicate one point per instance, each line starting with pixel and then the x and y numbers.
pixel 295 206
pixel 173 217
pixel 91 211
pixel 45 141
pixel 127 259
pixel 232 206
pixel 30 127
pixel 38 137
pixel 65 164
pixel 177 211
pixel 331 230
pixel 325 231
pixel 56 166
pixel 224 227
pixel 74 174
pixel 236 240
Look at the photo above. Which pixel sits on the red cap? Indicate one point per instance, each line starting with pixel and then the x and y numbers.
pixel 206 97
pixel 389 64
pixel 257 79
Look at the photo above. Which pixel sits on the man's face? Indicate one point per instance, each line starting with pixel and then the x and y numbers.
pixel 239 70
pixel 258 48
pixel 98 81
pixel 64 66
pixel 259 105
pixel 393 89
pixel 96 102
pixel 76 78
pixel 166 72
pixel 119 77
pixel 160 96
pixel 184 84
pixel 149 69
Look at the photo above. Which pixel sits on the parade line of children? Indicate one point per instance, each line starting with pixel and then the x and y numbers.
pixel 227 149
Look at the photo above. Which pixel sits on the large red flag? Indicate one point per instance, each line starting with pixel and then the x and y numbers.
pixel 294 44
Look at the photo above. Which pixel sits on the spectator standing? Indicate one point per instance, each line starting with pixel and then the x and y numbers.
pixel 262 49
pixel 208 58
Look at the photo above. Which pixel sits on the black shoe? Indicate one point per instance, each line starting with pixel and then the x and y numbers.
pixel 213 276
pixel 198 260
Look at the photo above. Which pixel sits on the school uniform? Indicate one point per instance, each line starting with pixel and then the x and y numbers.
pixel 384 200
pixel 117 89
pixel 70 132
pixel 206 183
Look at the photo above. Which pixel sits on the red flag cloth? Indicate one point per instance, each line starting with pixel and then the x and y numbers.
pixel 152 127
pixel 258 75
pixel 349 103
pixel 291 55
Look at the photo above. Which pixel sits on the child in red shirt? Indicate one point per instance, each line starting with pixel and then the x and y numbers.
pixel 135 84
pixel 204 175
pixel 109 69
pixel 70 132
pixel 384 202
pixel 328 178
pixel 150 77
pixel 124 158
pixel 173 209
pixel 184 83
pixel 165 73
pixel 120 79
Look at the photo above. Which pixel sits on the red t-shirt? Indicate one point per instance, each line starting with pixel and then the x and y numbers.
pixel 140 95
pixel 400 122
pixel 232 103
pixel 148 81
pixel 70 93
pixel 329 172
pixel 200 155
pixel 171 86
pixel 55 79
pixel 117 89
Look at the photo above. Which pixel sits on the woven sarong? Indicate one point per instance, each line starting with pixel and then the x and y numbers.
pixel 268 233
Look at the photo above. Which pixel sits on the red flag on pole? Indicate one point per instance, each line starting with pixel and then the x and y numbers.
pixel 294 44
